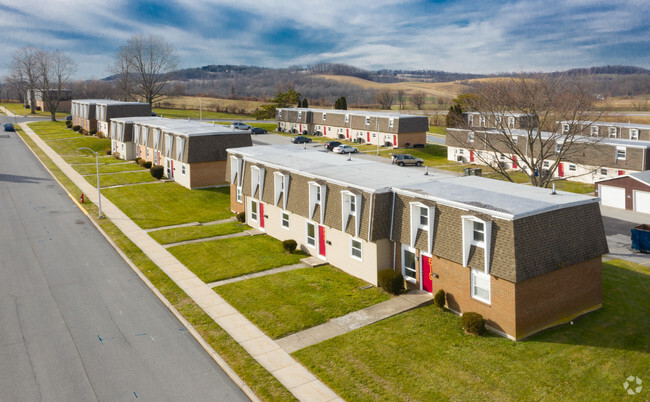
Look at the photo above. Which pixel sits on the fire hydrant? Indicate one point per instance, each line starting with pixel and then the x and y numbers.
pixel 82 198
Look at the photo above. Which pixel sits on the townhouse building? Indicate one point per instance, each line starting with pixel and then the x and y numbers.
pixel 64 95
pixel 523 257
pixel 377 128
pixel 599 151
pixel 193 153
pixel 96 114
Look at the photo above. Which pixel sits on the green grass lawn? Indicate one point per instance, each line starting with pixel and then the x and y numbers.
pixel 17 108
pixel 114 179
pixel 166 204
pixel 88 159
pixel 438 130
pixel 228 258
pixel 424 355
pixel 109 168
pixel 292 301
pixel 168 236
pixel 195 114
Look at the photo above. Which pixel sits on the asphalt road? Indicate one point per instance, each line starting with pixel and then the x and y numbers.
pixel 75 322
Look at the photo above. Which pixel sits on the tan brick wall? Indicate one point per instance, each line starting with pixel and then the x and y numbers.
pixel 205 174
pixel 235 206
pixel 558 296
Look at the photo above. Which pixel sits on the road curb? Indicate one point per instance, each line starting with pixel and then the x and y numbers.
pixel 211 352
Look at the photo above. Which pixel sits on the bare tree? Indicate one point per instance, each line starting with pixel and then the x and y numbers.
pixel 540 103
pixel 418 99
pixel 401 98
pixel 24 69
pixel 385 99
pixel 123 75
pixel 54 72
pixel 146 64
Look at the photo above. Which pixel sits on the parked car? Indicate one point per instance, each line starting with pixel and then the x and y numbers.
pixel 153 113
pixel 68 117
pixel 257 130
pixel 406 159
pixel 237 125
pixel 345 149
pixel 300 139
pixel 330 145
pixel 9 127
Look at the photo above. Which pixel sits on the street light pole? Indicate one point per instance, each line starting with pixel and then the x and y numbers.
pixel 99 192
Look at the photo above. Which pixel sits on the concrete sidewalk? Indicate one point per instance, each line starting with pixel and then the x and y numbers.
pixel 296 378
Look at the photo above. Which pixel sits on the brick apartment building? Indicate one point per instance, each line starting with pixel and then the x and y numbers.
pixel 387 129
pixel 64 95
pixel 96 114
pixel 524 258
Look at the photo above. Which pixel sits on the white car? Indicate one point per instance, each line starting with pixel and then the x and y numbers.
pixel 345 149
pixel 240 126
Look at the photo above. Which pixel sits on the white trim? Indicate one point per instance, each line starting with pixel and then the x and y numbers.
pixel 282 220
pixel 482 277
pixel 348 201
pixel 415 209
pixel 256 217
pixel 315 225
pixel 360 248
pixel 468 239
pixel 406 247
pixel 280 188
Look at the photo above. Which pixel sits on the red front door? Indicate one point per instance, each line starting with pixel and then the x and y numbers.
pixel 324 131
pixel 368 136
pixel 471 156
pixel 560 169
pixel 347 133
pixel 427 276
pixel 395 140
pixel 514 161
pixel 300 126
pixel 261 216
pixel 321 241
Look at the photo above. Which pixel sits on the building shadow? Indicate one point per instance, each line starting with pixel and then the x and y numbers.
pixel 11 178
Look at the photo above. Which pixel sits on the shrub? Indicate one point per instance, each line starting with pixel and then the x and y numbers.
pixel 439 299
pixel 147 165
pixel 83 131
pixel 68 123
pixel 157 171
pixel 241 217
pixel 141 161
pixel 137 160
pixel 289 245
pixel 92 132
pixel 107 151
pixel 473 323
pixel 76 128
pixel 391 281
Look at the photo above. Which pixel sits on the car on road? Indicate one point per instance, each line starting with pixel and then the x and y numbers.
pixel 300 139
pixel 257 130
pixel 330 145
pixel 237 125
pixel 68 117
pixel 345 149
pixel 406 159
pixel 9 127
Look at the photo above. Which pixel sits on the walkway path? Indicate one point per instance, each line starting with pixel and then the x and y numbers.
pixel 259 274
pixel 296 378
pixel 341 325
pixel 250 232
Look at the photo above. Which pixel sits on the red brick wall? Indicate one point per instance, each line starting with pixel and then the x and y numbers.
pixel 557 296
pixel 235 206
pixel 629 184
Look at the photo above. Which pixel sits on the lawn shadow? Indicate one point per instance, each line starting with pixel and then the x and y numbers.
pixel 622 323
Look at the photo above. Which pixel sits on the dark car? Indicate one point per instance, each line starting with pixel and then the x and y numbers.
pixel 257 130
pixel 300 139
pixel 406 159
pixel 9 127
pixel 153 113
pixel 330 145
pixel 68 117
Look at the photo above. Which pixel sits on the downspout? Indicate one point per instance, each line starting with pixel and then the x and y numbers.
pixel 392 216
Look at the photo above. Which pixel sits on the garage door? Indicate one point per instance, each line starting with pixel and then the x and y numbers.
pixel 612 196
pixel 642 201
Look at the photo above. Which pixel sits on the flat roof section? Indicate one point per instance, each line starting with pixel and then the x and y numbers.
pixel 181 127
pixel 357 113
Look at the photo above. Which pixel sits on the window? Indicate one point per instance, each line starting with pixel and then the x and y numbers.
pixel 461 151
pixel 515 138
pixel 480 286
pixel 498 120
pixel 408 264
pixel 279 114
pixel 478 233
pixel 558 147
pixel 546 164
pixel 257 181
pixel 367 120
pixel 634 134
pixel 565 128
pixel 355 249
pixel 285 220
pixel 311 235
pixel 424 217
pixel 482 121
pixel 470 137
pixel 594 131
pixel 573 168
pixel 253 211
pixel 347 118
pixel 183 169
pixel 620 153
pixel 280 187
pixel 239 194
pixel 511 122
pixel 603 171
pixel 350 204
pixel 390 122
pixel 324 117
pixel 299 115
pixel 470 120
pixel 316 197
pixel 612 132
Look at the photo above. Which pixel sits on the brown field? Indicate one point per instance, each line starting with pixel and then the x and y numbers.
pixel 440 89
pixel 210 104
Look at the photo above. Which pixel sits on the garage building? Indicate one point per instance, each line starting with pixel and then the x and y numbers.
pixel 630 191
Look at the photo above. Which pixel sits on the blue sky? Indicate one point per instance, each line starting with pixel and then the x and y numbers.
pixel 459 36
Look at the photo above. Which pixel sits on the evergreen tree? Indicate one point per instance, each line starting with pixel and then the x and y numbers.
pixel 305 104
pixel 344 103
pixel 454 116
